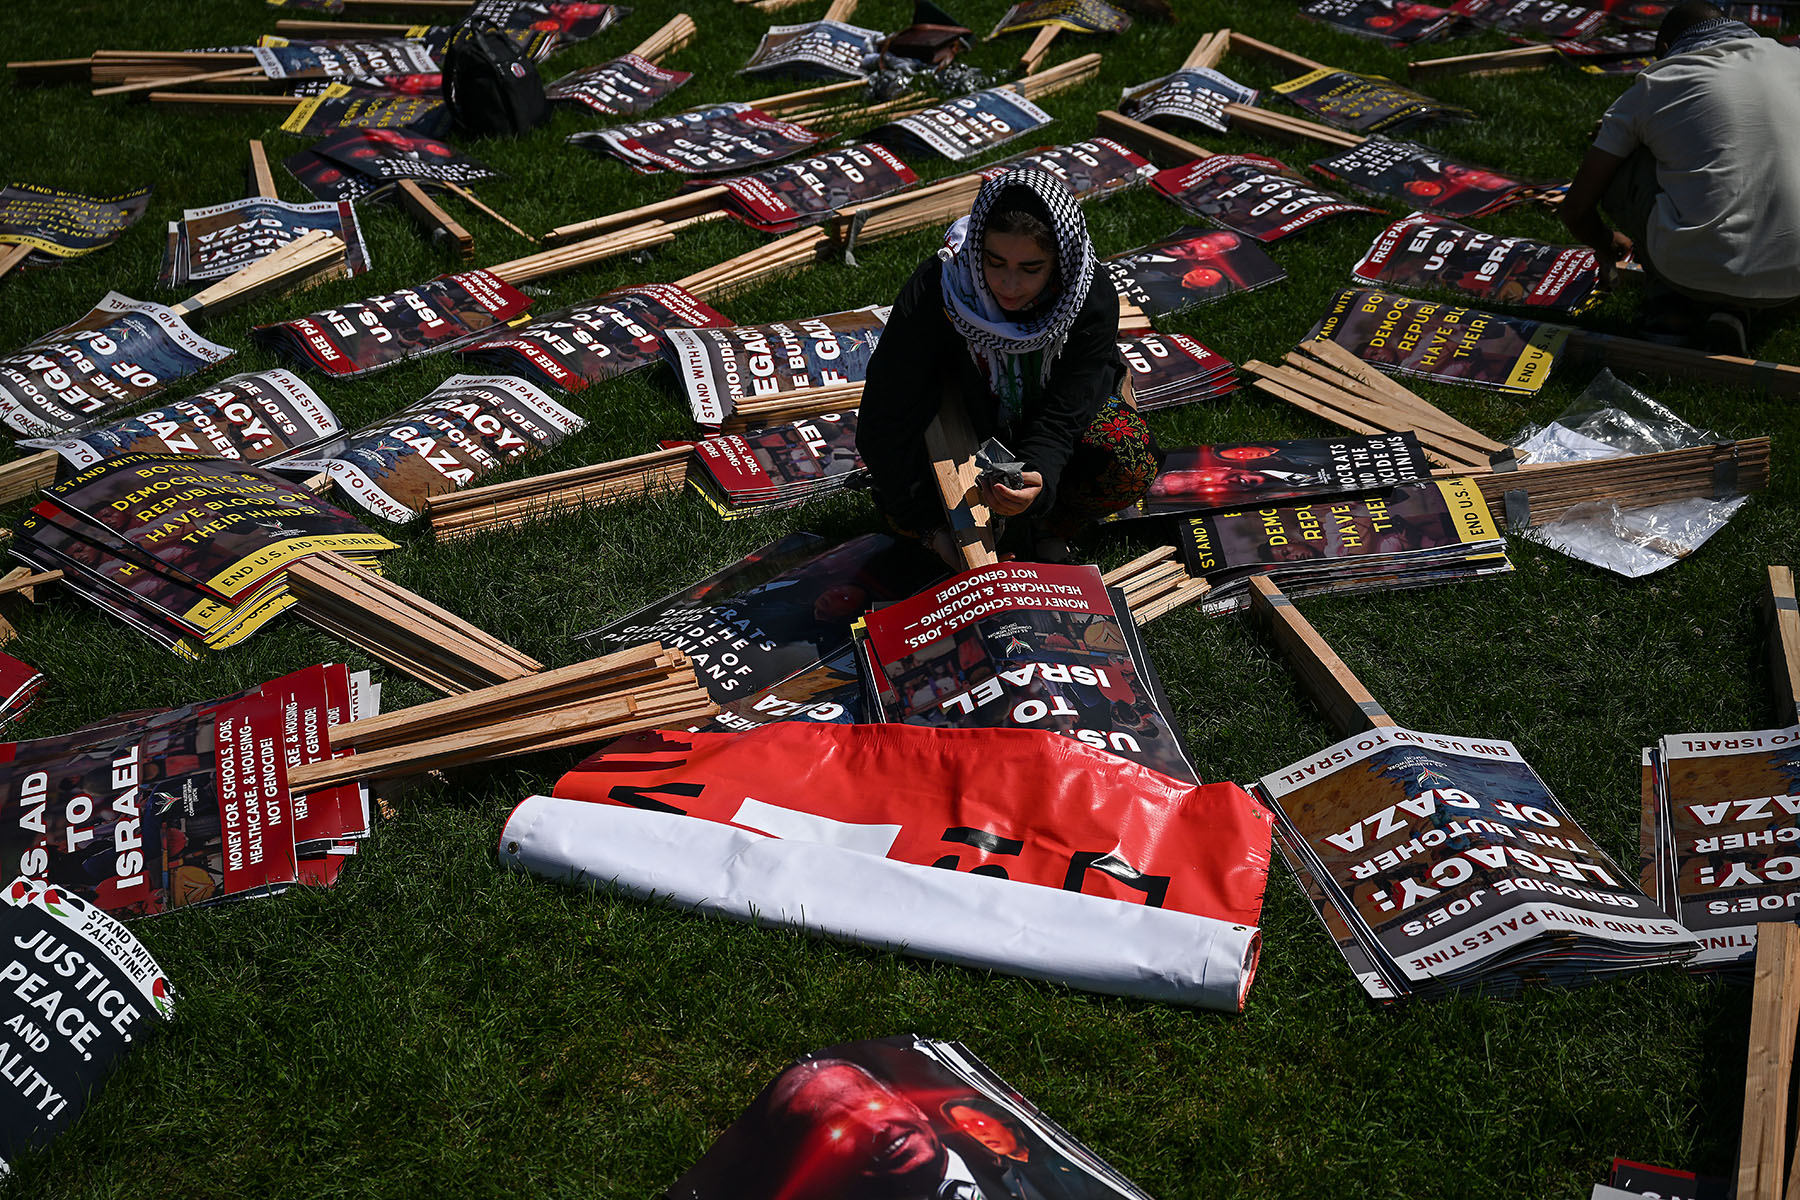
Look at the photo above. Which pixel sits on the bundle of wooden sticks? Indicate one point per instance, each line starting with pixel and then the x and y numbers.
pixel 402 629
pixel 512 503
pixel 1325 379
pixel 646 687
pixel 795 252
pixel 1155 583
pixel 1533 494
pixel 783 407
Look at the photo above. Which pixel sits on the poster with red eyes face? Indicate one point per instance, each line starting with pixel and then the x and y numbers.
pixel 1195 266
pixel 1643 13
pixel 1421 178
pixel 1392 21
pixel 330 180
pixel 1244 475
pixel 398 154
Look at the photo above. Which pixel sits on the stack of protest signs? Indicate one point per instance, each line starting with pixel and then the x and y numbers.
pixel 192 552
pixel 782 608
pixel 967 126
pixel 780 199
pixel 1425 179
pixel 1252 475
pixel 121 352
pixel 1444 864
pixel 1075 16
pixel 1023 646
pixel 724 369
pixel 620 87
pixel 221 239
pixel 1191 266
pixel 818 49
pixel 1414 535
pixel 468 426
pixel 776 467
pixel 68 960
pixel 1429 253
pixel 704 141
pixel 351 163
pixel 1091 170
pixel 147 812
pixel 1169 369
pixel 1534 18
pixel 1261 197
pixel 1396 22
pixel 932 1117
pixel 1428 339
pixel 1364 103
pixel 1196 94
pixel 368 335
pixel 282 58
pixel 1718 837
pixel 603 338
pixel 334 106
pixel 57 225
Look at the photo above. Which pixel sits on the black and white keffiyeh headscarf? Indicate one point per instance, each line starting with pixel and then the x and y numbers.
pixel 1011 352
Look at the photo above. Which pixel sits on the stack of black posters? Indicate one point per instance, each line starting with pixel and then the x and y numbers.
pixel 1443 864
pixel 1196 94
pixel 1169 369
pixel 817 50
pixel 1414 535
pixel 704 141
pixel 1254 475
pixel 1429 339
pixel 776 467
pixel 1364 103
pixel 1536 18
pixel 1262 198
pixel 1426 253
pixel 1396 22
pixel 782 198
pixel 723 367
pixel 620 87
pixel 1091 170
pixel 222 239
pixel 1192 266
pixel 966 127
pixel 611 335
pixel 192 552
pixel 1420 177
pixel 58 225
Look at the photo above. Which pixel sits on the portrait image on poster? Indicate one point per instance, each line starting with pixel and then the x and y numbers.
pixel 1192 266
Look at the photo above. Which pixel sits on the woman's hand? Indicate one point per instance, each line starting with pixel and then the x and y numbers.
pixel 1010 502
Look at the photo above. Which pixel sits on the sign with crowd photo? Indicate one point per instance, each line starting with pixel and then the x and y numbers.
pixel 780 609
pixel 468 425
pixel 390 154
pixel 820 49
pixel 252 417
pixel 967 126
pixel 1424 179
pixel 1075 16
pixel 1364 103
pixel 1432 340
pixel 719 367
pixel 59 224
pixel 1168 369
pixel 66 959
pixel 776 467
pixel 1395 22
pixel 1456 867
pixel 367 335
pixel 1024 646
pixel 625 85
pixel 121 352
pixel 1533 18
pixel 1428 253
pixel 283 59
pixel 221 239
pixel 1197 94
pixel 806 191
pixel 704 141
pixel 919 1118
pixel 601 339
pixel 1724 807
pixel 340 106
pixel 1256 196
pixel 1249 474
pixel 1090 169
pixel 1193 266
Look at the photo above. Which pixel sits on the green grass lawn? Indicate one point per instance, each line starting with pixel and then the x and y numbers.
pixel 435 1025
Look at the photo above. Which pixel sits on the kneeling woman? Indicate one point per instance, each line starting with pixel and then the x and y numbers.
pixel 1016 318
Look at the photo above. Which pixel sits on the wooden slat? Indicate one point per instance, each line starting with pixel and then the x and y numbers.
pixel 1242 43
pixel 1775 379
pixel 950 442
pixel 316 255
pixel 11 256
pixel 1149 559
pixel 23 477
pixel 1493 62
pixel 438 224
pixel 687 204
pixel 1033 58
pixel 1784 643
pixel 262 179
pixel 1208 51
pixel 1769 1066
pixel 675 33
pixel 1333 686
pixel 1159 145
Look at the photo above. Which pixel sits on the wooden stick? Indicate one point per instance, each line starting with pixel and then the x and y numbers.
pixel 45 71
pixel 469 196
pixel 1159 145
pixel 1151 558
pixel 1768 1070
pixel 1243 43
pixel 1493 62
pixel 1777 379
pixel 224 100
pixel 342 29
pixel 1784 644
pixel 1289 129
pixel 1208 50
pixel 24 579
pixel 789 101
pixel 1033 58
pixel 1390 394
pixel 1059 78
pixel 592 250
pixel 204 77
pixel 675 33
pixel 1542 492
pixel 1181 595
pixel 12 255
pixel 438 224
pixel 24 477
pixel 840 10
pixel 950 441
pixel 686 204
pixel 1332 685
pixel 262 179
pixel 317 254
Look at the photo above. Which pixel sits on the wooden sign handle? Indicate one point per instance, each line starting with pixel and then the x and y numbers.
pixel 1769 1067
pixel 262 180
pixel 950 441
pixel 437 223
pixel 12 256
pixel 1784 643
pixel 318 254
pixel 1033 58
pixel 1331 684
pixel 1156 144
pixel 676 32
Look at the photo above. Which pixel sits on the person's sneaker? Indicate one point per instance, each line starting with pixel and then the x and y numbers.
pixel 1724 333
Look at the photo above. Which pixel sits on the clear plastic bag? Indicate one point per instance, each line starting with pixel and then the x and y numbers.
pixel 1608 420
pixel 1635 541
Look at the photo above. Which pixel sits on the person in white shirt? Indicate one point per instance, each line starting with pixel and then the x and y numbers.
pixel 1698 166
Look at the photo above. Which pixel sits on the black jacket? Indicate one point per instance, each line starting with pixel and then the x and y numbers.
pixel 921 358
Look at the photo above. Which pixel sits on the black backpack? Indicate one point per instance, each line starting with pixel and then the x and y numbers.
pixel 489 86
